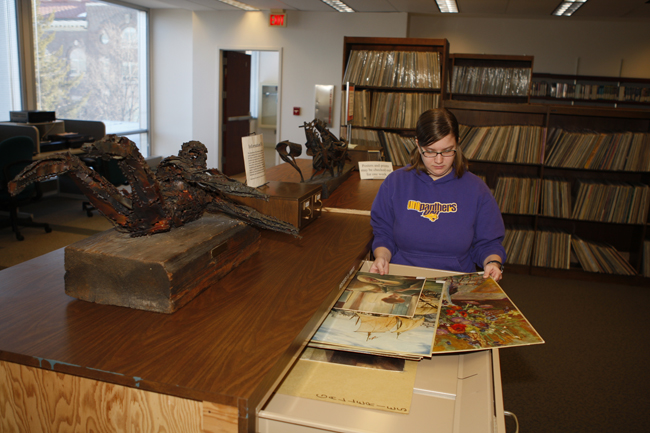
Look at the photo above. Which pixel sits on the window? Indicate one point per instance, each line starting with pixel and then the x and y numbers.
pixel 10 98
pixel 91 64
pixel 129 37
pixel 77 62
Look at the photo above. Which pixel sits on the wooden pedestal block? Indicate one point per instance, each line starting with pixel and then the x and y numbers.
pixel 296 203
pixel 363 152
pixel 158 273
pixel 330 183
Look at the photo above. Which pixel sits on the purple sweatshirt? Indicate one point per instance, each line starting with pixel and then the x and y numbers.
pixel 448 224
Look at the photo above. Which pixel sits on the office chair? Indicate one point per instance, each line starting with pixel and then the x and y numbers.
pixel 16 154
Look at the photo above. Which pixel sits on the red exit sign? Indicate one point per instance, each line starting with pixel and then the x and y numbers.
pixel 276 20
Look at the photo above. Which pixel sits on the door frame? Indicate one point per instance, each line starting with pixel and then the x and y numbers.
pixel 219 102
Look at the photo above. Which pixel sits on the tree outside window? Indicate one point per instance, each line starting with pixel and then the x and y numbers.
pixel 90 60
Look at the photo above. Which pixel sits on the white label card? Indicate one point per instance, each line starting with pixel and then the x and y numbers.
pixel 375 169
pixel 253 147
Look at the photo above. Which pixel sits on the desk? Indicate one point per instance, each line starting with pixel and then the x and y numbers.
pixel 211 366
pixel 208 367
pixel 39 131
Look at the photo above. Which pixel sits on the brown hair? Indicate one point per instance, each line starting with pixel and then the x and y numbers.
pixel 434 125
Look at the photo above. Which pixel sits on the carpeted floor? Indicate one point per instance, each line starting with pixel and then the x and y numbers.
pixel 69 224
pixel 591 375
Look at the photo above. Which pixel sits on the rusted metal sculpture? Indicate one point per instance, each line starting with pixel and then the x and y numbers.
pixel 328 152
pixel 179 192
pixel 289 156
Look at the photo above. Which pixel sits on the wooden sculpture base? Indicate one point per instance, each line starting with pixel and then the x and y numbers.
pixel 330 183
pixel 296 203
pixel 158 273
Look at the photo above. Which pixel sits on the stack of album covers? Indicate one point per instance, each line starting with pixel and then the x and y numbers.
pixel 414 318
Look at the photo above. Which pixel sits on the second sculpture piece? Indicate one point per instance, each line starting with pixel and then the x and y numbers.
pixel 329 154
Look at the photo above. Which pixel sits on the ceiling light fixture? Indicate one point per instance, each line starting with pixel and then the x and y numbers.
pixel 338 5
pixel 447 6
pixel 566 8
pixel 239 5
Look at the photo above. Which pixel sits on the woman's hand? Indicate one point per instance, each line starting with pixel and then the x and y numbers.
pixel 380 266
pixel 492 269
pixel 382 259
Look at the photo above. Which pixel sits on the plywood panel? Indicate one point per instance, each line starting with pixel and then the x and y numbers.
pixel 36 400
pixel 218 418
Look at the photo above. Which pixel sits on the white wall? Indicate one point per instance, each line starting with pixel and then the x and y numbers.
pixel 187 45
pixel 171 80
pixel 556 43
pixel 204 87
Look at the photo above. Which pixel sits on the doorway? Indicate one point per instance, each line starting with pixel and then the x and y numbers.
pixel 253 76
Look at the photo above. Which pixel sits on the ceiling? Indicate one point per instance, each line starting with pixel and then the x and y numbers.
pixel 536 9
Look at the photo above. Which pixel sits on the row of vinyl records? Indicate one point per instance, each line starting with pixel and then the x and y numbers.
pixel 591 92
pixel 524 144
pixel 625 151
pixel 393 69
pixel 512 143
pixel 485 80
pixel 614 202
pixel 391 109
pixel 552 249
pixel 396 148
pixel 621 151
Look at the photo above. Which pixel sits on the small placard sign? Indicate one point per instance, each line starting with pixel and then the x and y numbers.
pixel 253 147
pixel 375 169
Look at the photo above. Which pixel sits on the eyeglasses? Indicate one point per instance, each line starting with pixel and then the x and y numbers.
pixel 432 153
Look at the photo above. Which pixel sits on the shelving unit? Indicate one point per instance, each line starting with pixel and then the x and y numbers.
pixel 587 90
pixel 395 79
pixel 626 238
pixel 490 78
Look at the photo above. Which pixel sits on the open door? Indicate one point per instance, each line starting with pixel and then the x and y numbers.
pixel 236 110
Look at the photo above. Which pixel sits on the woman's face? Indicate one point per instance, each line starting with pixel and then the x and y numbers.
pixel 436 164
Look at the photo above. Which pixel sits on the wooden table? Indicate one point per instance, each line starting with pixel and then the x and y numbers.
pixel 67 364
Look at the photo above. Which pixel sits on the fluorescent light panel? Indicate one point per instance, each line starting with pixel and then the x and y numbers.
pixel 568 7
pixel 338 5
pixel 447 6
pixel 239 5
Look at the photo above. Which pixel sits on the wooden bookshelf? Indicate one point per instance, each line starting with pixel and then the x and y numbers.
pixel 388 102
pixel 626 237
pixel 489 78
pixel 585 90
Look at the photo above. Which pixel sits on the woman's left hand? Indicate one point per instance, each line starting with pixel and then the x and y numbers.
pixel 492 270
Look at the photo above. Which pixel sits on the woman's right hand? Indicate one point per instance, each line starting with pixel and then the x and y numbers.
pixel 379 266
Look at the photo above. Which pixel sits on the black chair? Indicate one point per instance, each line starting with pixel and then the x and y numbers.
pixel 16 154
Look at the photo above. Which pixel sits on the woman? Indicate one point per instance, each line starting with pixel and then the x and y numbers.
pixel 434 213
